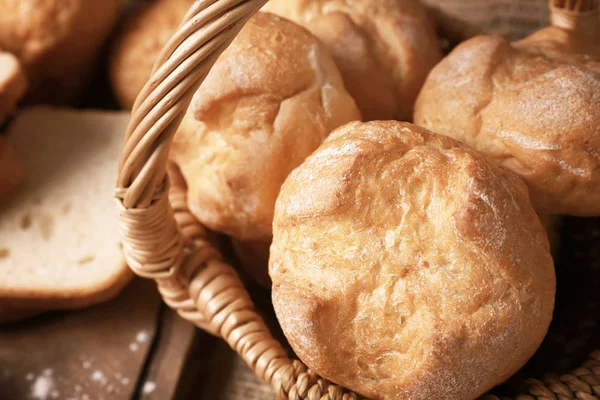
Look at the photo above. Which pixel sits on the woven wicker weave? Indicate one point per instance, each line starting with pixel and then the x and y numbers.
pixel 164 242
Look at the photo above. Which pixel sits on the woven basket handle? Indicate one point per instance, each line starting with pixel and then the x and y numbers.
pixel 576 15
pixel 162 239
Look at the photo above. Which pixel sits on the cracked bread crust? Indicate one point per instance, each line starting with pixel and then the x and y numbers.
pixel 269 101
pixel 384 48
pixel 532 106
pixel 405 266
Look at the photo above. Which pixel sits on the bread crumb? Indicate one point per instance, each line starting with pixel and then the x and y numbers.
pixel 86 260
pixel 46 226
pixel 142 337
pixel 4 253
pixel 125 381
pixel 86 364
pixel 148 387
pixel 134 347
pixel 25 221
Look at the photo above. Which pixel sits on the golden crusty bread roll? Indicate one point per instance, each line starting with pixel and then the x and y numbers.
pixel 532 106
pixel 406 266
pixel 138 44
pixel 384 48
pixel 57 41
pixel 268 102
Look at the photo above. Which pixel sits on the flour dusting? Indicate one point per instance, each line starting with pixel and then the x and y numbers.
pixel 148 387
pixel 43 387
pixel 142 337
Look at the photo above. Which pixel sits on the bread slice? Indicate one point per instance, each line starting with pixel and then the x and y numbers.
pixel 60 246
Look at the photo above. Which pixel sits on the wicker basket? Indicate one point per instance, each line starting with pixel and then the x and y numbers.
pixel 164 242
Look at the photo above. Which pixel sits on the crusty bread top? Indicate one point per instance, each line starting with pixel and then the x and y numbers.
pixel 268 102
pixel 56 40
pixel 13 83
pixel 406 266
pixel 532 106
pixel 384 48
pixel 59 237
pixel 138 44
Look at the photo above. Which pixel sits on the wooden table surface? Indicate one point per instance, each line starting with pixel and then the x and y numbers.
pixel 133 347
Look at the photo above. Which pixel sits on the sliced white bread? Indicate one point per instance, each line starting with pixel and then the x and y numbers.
pixel 60 246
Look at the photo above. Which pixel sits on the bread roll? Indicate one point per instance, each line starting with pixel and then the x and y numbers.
pixel 268 102
pixel 57 41
pixel 384 48
pixel 405 266
pixel 532 106
pixel 138 44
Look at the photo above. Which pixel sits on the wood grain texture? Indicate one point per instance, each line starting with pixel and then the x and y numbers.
pixel 92 354
pixel 175 342
pixel 232 379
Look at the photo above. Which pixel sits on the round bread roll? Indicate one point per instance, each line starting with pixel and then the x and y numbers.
pixel 269 101
pixel 384 48
pixel 405 266
pixel 139 43
pixel 532 106
pixel 57 41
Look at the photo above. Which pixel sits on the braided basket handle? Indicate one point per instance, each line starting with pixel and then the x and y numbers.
pixel 576 15
pixel 162 239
